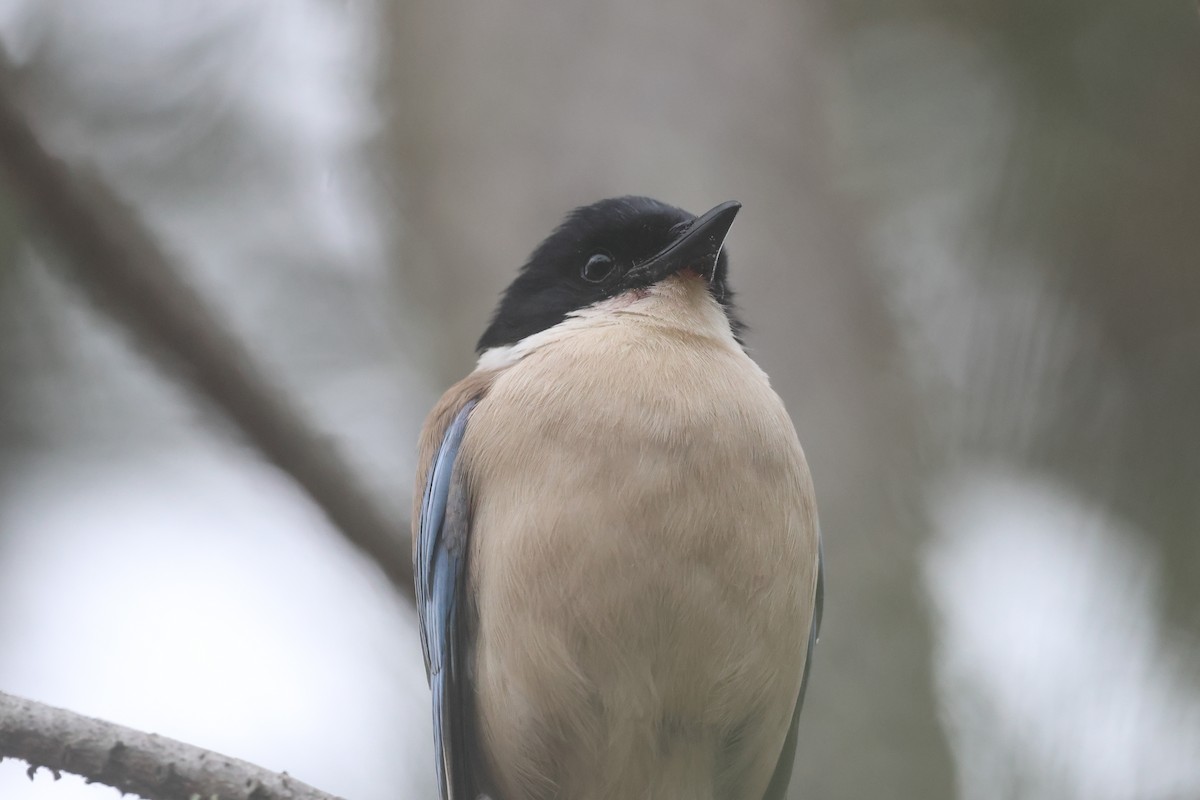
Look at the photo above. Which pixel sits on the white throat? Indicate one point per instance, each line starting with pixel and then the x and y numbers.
pixel 681 303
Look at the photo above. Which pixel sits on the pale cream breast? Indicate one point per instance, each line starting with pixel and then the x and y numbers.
pixel 643 553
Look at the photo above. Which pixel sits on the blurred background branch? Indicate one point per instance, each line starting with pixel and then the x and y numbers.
pixel 132 277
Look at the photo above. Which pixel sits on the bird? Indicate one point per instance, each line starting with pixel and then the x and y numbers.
pixel 616 548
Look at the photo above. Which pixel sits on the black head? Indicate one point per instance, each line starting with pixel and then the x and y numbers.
pixel 606 249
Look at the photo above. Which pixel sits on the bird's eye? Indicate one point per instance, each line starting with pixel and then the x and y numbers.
pixel 597 268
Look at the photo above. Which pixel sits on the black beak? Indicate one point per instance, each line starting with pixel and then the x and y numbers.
pixel 697 247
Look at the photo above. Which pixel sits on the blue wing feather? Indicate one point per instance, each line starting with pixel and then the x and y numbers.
pixel 440 576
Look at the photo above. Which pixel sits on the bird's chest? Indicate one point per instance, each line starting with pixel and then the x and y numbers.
pixel 632 460
pixel 641 570
pixel 640 531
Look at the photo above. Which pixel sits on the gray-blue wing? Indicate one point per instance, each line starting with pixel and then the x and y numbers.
pixel 777 789
pixel 440 569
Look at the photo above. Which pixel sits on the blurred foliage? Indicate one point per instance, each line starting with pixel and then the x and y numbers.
pixel 1101 180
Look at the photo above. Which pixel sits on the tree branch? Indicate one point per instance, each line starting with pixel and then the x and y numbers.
pixel 155 767
pixel 120 262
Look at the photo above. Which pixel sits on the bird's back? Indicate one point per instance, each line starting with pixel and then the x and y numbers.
pixel 646 640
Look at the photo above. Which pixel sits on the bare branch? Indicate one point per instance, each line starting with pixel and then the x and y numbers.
pixel 146 764
pixel 128 272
